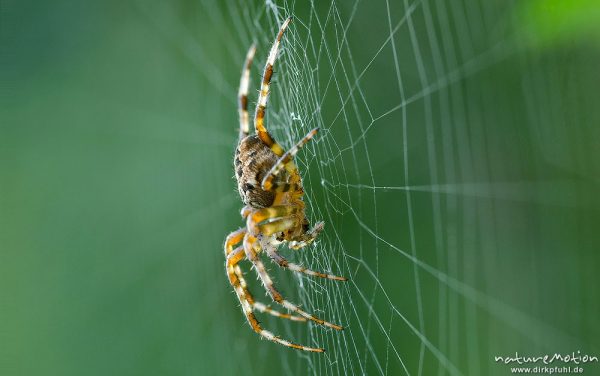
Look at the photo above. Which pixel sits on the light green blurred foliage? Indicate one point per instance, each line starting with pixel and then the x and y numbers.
pixel 116 194
pixel 552 22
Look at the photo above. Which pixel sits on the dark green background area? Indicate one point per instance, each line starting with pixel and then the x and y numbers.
pixel 462 203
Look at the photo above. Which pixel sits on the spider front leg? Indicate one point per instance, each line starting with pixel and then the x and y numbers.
pixel 250 247
pixel 259 116
pixel 243 93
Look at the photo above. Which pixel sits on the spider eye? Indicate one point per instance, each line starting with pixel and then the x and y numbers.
pixel 248 187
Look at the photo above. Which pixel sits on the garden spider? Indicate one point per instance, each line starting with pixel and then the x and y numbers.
pixel 271 187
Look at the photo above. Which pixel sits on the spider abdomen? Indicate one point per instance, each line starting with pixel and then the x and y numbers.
pixel 253 160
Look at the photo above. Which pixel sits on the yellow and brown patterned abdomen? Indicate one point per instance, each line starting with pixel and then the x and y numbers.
pixel 253 160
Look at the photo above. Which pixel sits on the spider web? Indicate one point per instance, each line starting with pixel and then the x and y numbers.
pixel 421 174
pixel 456 169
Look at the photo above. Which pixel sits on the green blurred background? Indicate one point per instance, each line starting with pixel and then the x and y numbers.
pixel 457 171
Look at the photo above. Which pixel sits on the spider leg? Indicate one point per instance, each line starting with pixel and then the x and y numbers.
pixel 250 244
pixel 281 222
pixel 246 210
pixel 261 307
pixel 286 161
pixel 243 94
pixel 308 237
pixel 232 239
pixel 282 186
pixel 233 259
pixel 284 263
pixel 231 265
pixel 259 116
pixel 277 225
pixel 273 212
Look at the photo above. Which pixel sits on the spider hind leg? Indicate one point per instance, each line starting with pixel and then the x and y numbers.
pixel 250 246
pixel 233 258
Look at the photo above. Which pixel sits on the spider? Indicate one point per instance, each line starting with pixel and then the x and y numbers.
pixel 271 188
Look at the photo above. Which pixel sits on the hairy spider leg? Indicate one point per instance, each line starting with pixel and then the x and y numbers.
pixel 236 278
pixel 278 225
pixel 243 93
pixel 246 210
pixel 250 247
pixel 285 161
pixel 281 221
pixel 233 259
pixel 261 106
pixel 231 265
pixel 308 237
pixel 284 263
pixel 254 322
pixel 273 212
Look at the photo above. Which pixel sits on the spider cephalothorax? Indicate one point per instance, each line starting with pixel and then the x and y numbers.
pixel 271 188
